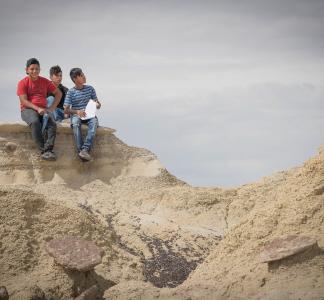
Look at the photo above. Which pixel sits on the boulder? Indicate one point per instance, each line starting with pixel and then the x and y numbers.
pixel 285 246
pixel 3 293
pixel 10 147
pixel 74 253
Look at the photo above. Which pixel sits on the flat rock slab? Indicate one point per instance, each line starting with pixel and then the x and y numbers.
pixel 74 253
pixel 285 246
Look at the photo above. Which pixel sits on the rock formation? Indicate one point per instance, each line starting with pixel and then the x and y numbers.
pixel 162 238
pixel 285 246
pixel 74 253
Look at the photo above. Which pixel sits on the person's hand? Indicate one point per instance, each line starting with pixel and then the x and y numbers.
pixel 41 111
pixel 50 109
pixel 81 113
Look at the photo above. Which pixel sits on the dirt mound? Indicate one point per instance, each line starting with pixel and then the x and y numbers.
pixel 27 222
pixel 162 238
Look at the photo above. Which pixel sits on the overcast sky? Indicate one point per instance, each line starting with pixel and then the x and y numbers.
pixel 223 92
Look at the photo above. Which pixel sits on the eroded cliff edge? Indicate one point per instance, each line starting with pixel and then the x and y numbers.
pixel 21 164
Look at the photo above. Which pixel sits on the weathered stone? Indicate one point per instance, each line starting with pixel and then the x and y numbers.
pixel 3 293
pixel 285 246
pixel 37 293
pixel 10 147
pixel 74 253
pixel 89 294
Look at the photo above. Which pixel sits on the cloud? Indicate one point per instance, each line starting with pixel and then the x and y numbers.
pixel 275 126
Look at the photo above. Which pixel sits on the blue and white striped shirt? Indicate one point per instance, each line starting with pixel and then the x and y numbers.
pixel 78 99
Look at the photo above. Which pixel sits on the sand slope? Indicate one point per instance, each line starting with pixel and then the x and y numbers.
pixel 162 238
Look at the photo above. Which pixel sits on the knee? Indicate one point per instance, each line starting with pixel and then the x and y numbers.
pixel 35 123
pixel 52 123
pixel 93 125
pixel 94 122
pixel 76 122
pixel 50 100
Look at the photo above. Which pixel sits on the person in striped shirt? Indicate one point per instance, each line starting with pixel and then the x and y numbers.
pixel 75 103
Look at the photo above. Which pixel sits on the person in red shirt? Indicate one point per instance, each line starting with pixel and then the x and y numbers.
pixel 32 91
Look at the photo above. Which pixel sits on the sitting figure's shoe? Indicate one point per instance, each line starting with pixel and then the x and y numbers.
pixel 48 155
pixel 84 155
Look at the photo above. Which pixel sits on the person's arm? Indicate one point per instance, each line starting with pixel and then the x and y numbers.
pixel 94 97
pixel 68 106
pixel 98 104
pixel 68 110
pixel 24 101
pixel 58 96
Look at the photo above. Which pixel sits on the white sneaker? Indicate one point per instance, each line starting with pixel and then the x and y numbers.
pixel 84 155
pixel 49 155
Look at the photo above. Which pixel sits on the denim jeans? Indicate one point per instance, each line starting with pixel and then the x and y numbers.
pixel 58 113
pixel 76 123
pixel 34 120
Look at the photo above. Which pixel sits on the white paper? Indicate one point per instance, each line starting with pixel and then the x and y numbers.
pixel 90 110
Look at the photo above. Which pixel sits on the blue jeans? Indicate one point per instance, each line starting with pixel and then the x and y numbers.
pixel 76 123
pixel 58 113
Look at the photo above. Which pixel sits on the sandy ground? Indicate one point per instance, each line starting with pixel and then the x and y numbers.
pixel 162 238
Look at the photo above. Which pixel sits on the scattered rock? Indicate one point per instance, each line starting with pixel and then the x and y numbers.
pixel 3 293
pixel 263 282
pixel 37 293
pixel 89 294
pixel 74 253
pixel 10 147
pixel 319 191
pixel 285 246
pixel 166 267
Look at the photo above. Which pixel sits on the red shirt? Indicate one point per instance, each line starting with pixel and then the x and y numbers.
pixel 36 91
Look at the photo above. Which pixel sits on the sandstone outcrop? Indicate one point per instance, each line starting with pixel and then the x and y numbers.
pixel 162 238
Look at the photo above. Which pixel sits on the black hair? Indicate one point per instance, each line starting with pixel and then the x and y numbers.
pixel 32 61
pixel 74 73
pixel 55 70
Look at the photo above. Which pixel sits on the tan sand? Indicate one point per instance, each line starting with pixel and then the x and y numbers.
pixel 162 238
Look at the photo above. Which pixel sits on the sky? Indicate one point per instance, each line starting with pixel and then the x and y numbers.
pixel 223 92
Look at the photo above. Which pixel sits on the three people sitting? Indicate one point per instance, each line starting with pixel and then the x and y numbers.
pixel 44 102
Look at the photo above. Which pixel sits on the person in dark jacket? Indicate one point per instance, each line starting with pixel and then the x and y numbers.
pixel 56 77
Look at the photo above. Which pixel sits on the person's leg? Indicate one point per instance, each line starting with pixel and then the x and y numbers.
pixel 92 128
pixel 50 101
pixel 76 126
pixel 32 118
pixel 51 134
pixel 59 115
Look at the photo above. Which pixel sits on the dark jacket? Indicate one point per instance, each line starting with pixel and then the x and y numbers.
pixel 64 90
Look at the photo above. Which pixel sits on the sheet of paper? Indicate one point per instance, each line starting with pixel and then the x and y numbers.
pixel 90 110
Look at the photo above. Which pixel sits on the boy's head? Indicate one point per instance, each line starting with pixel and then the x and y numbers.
pixel 77 76
pixel 32 68
pixel 56 75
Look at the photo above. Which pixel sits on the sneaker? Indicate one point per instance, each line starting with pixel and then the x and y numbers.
pixel 84 155
pixel 48 155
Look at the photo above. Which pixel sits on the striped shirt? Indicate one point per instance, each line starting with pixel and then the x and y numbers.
pixel 78 99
